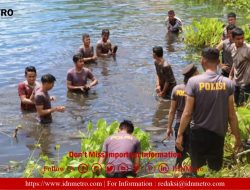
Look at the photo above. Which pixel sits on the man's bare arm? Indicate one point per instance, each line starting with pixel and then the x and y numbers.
pixel 233 122
pixel 171 115
pixel 42 112
pixel 99 52
pixel 137 163
pixel 165 88
pixel 231 74
pixel 25 100
pixel 94 82
pixel 71 87
pixel 220 46
pixel 185 120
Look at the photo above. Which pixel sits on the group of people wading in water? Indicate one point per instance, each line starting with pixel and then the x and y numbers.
pixel 203 105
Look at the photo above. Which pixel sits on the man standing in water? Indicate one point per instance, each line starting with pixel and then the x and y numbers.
pixel 173 23
pixel 125 143
pixel 86 50
pixel 77 77
pixel 177 106
pixel 26 89
pixel 227 45
pixel 231 20
pixel 165 80
pixel 210 103
pixel 104 47
pixel 241 67
pixel 43 100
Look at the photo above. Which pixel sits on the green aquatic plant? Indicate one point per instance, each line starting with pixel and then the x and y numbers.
pixel 243 115
pixel 242 5
pixel 203 33
pixel 73 165
pixel 246 29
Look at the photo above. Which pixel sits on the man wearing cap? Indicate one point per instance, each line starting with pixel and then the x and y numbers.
pixel 211 106
pixel 177 107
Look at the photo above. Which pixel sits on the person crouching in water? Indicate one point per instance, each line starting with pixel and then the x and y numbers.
pixel 165 80
pixel 124 143
pixel 176 108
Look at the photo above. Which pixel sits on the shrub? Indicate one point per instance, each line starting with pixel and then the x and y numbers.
pixel 204 33
pixel 91 142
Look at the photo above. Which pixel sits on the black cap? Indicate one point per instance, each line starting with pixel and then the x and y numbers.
pixel 189 70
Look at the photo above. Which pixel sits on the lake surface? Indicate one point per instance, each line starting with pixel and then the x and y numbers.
pixel 46 34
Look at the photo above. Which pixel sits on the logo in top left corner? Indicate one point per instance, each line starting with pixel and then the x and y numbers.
pixel 6 12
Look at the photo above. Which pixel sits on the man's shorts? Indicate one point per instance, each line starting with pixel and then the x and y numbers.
pixel 206 147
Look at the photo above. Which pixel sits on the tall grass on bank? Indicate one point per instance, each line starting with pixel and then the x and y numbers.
pixel 204 33
pixel 207 32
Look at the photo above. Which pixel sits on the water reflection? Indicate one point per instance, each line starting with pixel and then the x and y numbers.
pixel 161 113
pixel 79 98
pixel 43 139
pixel 171 38
pixel 79 104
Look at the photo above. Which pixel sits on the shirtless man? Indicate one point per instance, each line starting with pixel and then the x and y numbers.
pixel 104 47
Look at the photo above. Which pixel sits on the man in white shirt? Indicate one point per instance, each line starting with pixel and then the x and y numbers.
pixel 173 23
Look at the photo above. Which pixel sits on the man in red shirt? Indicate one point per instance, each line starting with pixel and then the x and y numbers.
pixel 26 89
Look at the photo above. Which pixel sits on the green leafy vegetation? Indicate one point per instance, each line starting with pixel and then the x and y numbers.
pixel 242 5
pixel 207 33
pixel 246 29
pixel 92 141
pixel 204 33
